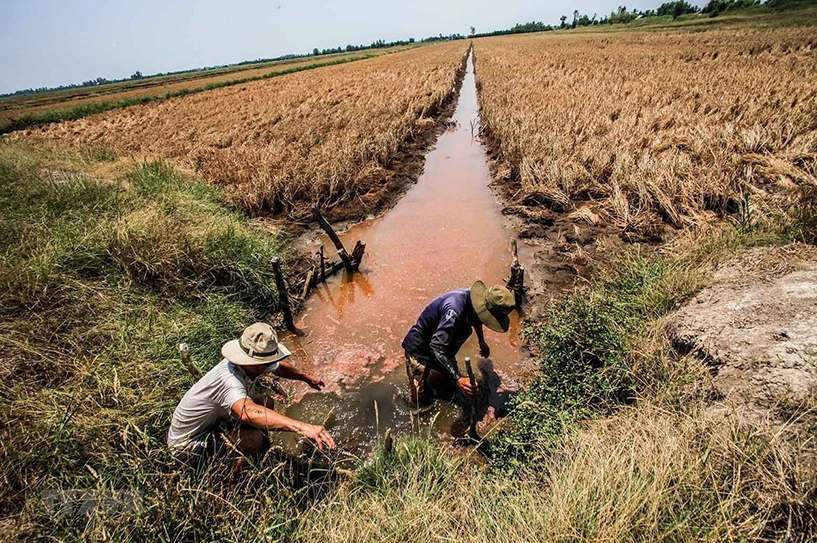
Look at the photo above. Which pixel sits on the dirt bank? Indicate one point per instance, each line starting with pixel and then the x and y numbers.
pixel 756 325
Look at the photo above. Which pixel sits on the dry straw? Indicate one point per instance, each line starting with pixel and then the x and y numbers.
pixel 328 135
pixel 652 127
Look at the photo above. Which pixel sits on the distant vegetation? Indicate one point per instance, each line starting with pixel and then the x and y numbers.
pixel 620 15
pixel 674 9
pixel 378 44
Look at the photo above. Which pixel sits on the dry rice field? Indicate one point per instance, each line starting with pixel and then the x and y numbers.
pixel 646 129
pixel 328 135
pixel 17 106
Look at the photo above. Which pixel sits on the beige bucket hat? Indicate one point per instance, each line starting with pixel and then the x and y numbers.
pixel 493 305
pixel 257 345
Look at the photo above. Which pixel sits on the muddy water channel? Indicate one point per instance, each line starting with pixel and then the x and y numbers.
pixel 445 233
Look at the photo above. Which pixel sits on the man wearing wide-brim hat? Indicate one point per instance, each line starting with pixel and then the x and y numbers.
pixel 226 400
pixel 432 344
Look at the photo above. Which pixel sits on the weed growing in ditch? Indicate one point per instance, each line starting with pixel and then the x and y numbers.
pixel 585 344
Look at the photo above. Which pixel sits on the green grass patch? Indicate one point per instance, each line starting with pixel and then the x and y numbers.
pixel 585 346
pixel 99 282
pixel 602 346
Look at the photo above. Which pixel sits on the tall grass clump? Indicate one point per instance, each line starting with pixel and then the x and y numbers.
pixel 647 474
pixel 585 344
pixel 99 281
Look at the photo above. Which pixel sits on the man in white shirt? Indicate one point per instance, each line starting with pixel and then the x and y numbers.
pixel 226 400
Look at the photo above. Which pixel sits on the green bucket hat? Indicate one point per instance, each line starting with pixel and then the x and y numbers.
pixel 493 305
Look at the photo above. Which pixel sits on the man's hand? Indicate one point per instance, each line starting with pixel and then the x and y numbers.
pixel 465 385
pixel 318 435
pixel 316 383
pixel 484 350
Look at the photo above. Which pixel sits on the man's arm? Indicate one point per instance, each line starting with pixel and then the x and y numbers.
pixel 263 418
pixel 288 371
pixel 484 350
pixel 439 346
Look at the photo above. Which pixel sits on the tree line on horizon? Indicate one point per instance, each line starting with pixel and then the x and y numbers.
pixel 622 15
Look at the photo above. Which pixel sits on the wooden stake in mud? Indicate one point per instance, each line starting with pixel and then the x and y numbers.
pixel 472 429
pixel 344 256
pixel 412 386
pixel 323 265
pixel 308 283
pixel 388 442
pixel 516 282
pixel 280 284
pixel 184 352
pixel 357 254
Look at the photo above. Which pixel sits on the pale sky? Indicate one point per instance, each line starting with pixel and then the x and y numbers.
pixel 54 42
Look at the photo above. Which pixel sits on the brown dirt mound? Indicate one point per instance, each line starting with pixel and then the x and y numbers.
pixel 757 326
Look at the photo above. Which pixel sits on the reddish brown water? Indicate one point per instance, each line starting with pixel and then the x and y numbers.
pixel 445 233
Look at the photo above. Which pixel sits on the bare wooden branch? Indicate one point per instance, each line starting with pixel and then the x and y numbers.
pixel 344 256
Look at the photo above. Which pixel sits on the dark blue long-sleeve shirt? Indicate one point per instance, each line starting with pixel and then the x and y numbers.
pixel 441 330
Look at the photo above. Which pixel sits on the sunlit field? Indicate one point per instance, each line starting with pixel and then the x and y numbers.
pixel 328 135
pixel 646 128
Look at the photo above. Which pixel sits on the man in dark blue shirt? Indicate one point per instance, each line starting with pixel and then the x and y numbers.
pixel 445 324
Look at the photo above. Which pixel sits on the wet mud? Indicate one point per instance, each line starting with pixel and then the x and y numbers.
pixel 446 232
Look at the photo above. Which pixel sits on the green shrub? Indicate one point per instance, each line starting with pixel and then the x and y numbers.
pixel 584 346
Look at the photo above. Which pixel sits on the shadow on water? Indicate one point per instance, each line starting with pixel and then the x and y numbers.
pixel 446 232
